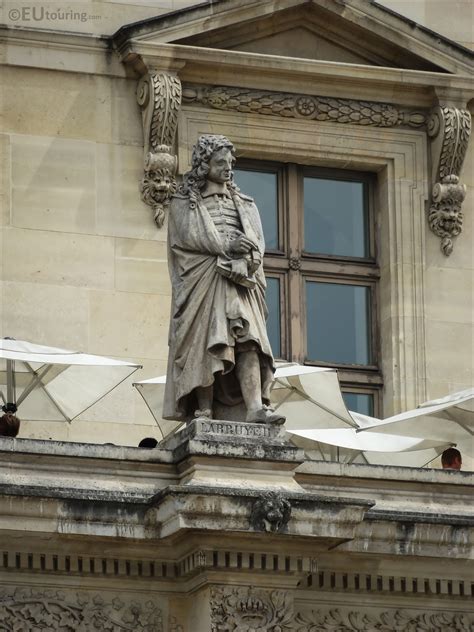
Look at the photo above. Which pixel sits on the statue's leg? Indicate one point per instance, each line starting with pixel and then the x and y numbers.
pixel 247 369
pixel 204 396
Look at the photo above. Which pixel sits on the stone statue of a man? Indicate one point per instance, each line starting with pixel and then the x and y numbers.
pixel 219 353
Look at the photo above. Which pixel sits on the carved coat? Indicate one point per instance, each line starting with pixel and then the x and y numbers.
pixel 210 313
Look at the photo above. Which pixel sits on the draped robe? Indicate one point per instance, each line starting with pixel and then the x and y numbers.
pixel 209 312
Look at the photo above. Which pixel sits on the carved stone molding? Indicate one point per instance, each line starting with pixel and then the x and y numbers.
pixel 303 106
pixel 449 129
pixel 337 620
pixel 250 610
pixel 159 96
pixel 271 512
pixel 32 610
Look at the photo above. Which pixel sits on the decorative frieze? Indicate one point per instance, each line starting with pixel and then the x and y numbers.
pixel 340 620
pixel 449 129
pixel 32 610
pixel 239 609
pixel 303 106
pixel 159 96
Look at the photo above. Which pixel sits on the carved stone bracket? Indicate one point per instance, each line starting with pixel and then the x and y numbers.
pixel 449 129
pixel 247 609
pixel 159 96
pixel 303 106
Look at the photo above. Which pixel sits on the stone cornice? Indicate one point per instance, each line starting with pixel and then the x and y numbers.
pixel 75 52
pixel 372 18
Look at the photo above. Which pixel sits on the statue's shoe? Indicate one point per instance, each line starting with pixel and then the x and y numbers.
pixel 205 414
pixel 265 415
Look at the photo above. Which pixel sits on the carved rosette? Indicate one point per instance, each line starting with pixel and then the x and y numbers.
pixel 450 129
pixel 388 621
pixel 32 610
pixel 303 106
pixel 250 610
pixel 159 96
pixel 271 512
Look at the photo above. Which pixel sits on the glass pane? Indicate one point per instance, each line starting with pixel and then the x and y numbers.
pixel 274 316
pixel 335 218
pixel 263 188
pixel 360 403
pixel 338 323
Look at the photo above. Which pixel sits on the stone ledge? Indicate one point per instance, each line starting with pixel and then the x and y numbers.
pixel 233 439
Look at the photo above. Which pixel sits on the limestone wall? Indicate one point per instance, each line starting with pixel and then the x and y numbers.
pixel 83 266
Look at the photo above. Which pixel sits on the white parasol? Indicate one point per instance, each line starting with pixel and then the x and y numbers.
pixel 51 384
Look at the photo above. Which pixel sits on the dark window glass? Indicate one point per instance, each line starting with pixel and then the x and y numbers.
pixel 335 218
pixel 262 186
pixel 360 403
pixel 338 323
pixel 273 322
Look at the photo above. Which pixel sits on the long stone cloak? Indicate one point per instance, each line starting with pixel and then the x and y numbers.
pixel 210 313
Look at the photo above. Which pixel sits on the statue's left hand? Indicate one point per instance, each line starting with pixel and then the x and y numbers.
pixel 241 245
pixel 239 270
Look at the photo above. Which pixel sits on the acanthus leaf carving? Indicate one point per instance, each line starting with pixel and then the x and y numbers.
pixel 337 620
pixel 305 106
pixel 32 610
pixel 450 129
pixel 249 609
pixel 159 96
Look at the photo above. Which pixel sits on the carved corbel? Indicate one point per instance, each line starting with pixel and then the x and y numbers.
pixel 159 96
pixel 449 128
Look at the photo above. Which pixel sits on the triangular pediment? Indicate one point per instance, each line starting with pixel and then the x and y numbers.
pixel 352 32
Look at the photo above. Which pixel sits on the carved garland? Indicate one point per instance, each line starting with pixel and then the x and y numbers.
pixel 450 129
pixel 303 106
pixel 159 96
pixel 31 610
pixel 389 621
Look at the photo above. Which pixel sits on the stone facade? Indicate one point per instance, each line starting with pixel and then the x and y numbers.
pixel 214 530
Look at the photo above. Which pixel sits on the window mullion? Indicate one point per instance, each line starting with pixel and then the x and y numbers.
pixel 294 247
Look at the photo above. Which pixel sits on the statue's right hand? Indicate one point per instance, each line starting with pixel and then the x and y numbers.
pixel 241 245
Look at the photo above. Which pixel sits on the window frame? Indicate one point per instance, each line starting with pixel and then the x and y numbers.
pixel 293 266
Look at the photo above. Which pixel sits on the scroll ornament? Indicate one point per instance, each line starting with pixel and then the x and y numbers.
pixel 335 620
pixel 250 610
pixel 303 106
pixel 32 610
pixel 450 130
pixel 159 96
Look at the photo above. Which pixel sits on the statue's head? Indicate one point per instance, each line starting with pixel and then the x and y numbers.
pixel 213 159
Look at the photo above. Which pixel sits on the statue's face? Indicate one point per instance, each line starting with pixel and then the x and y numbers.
pixel 220 166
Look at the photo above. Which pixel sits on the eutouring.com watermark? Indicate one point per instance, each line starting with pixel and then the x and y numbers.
pixel 40 13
